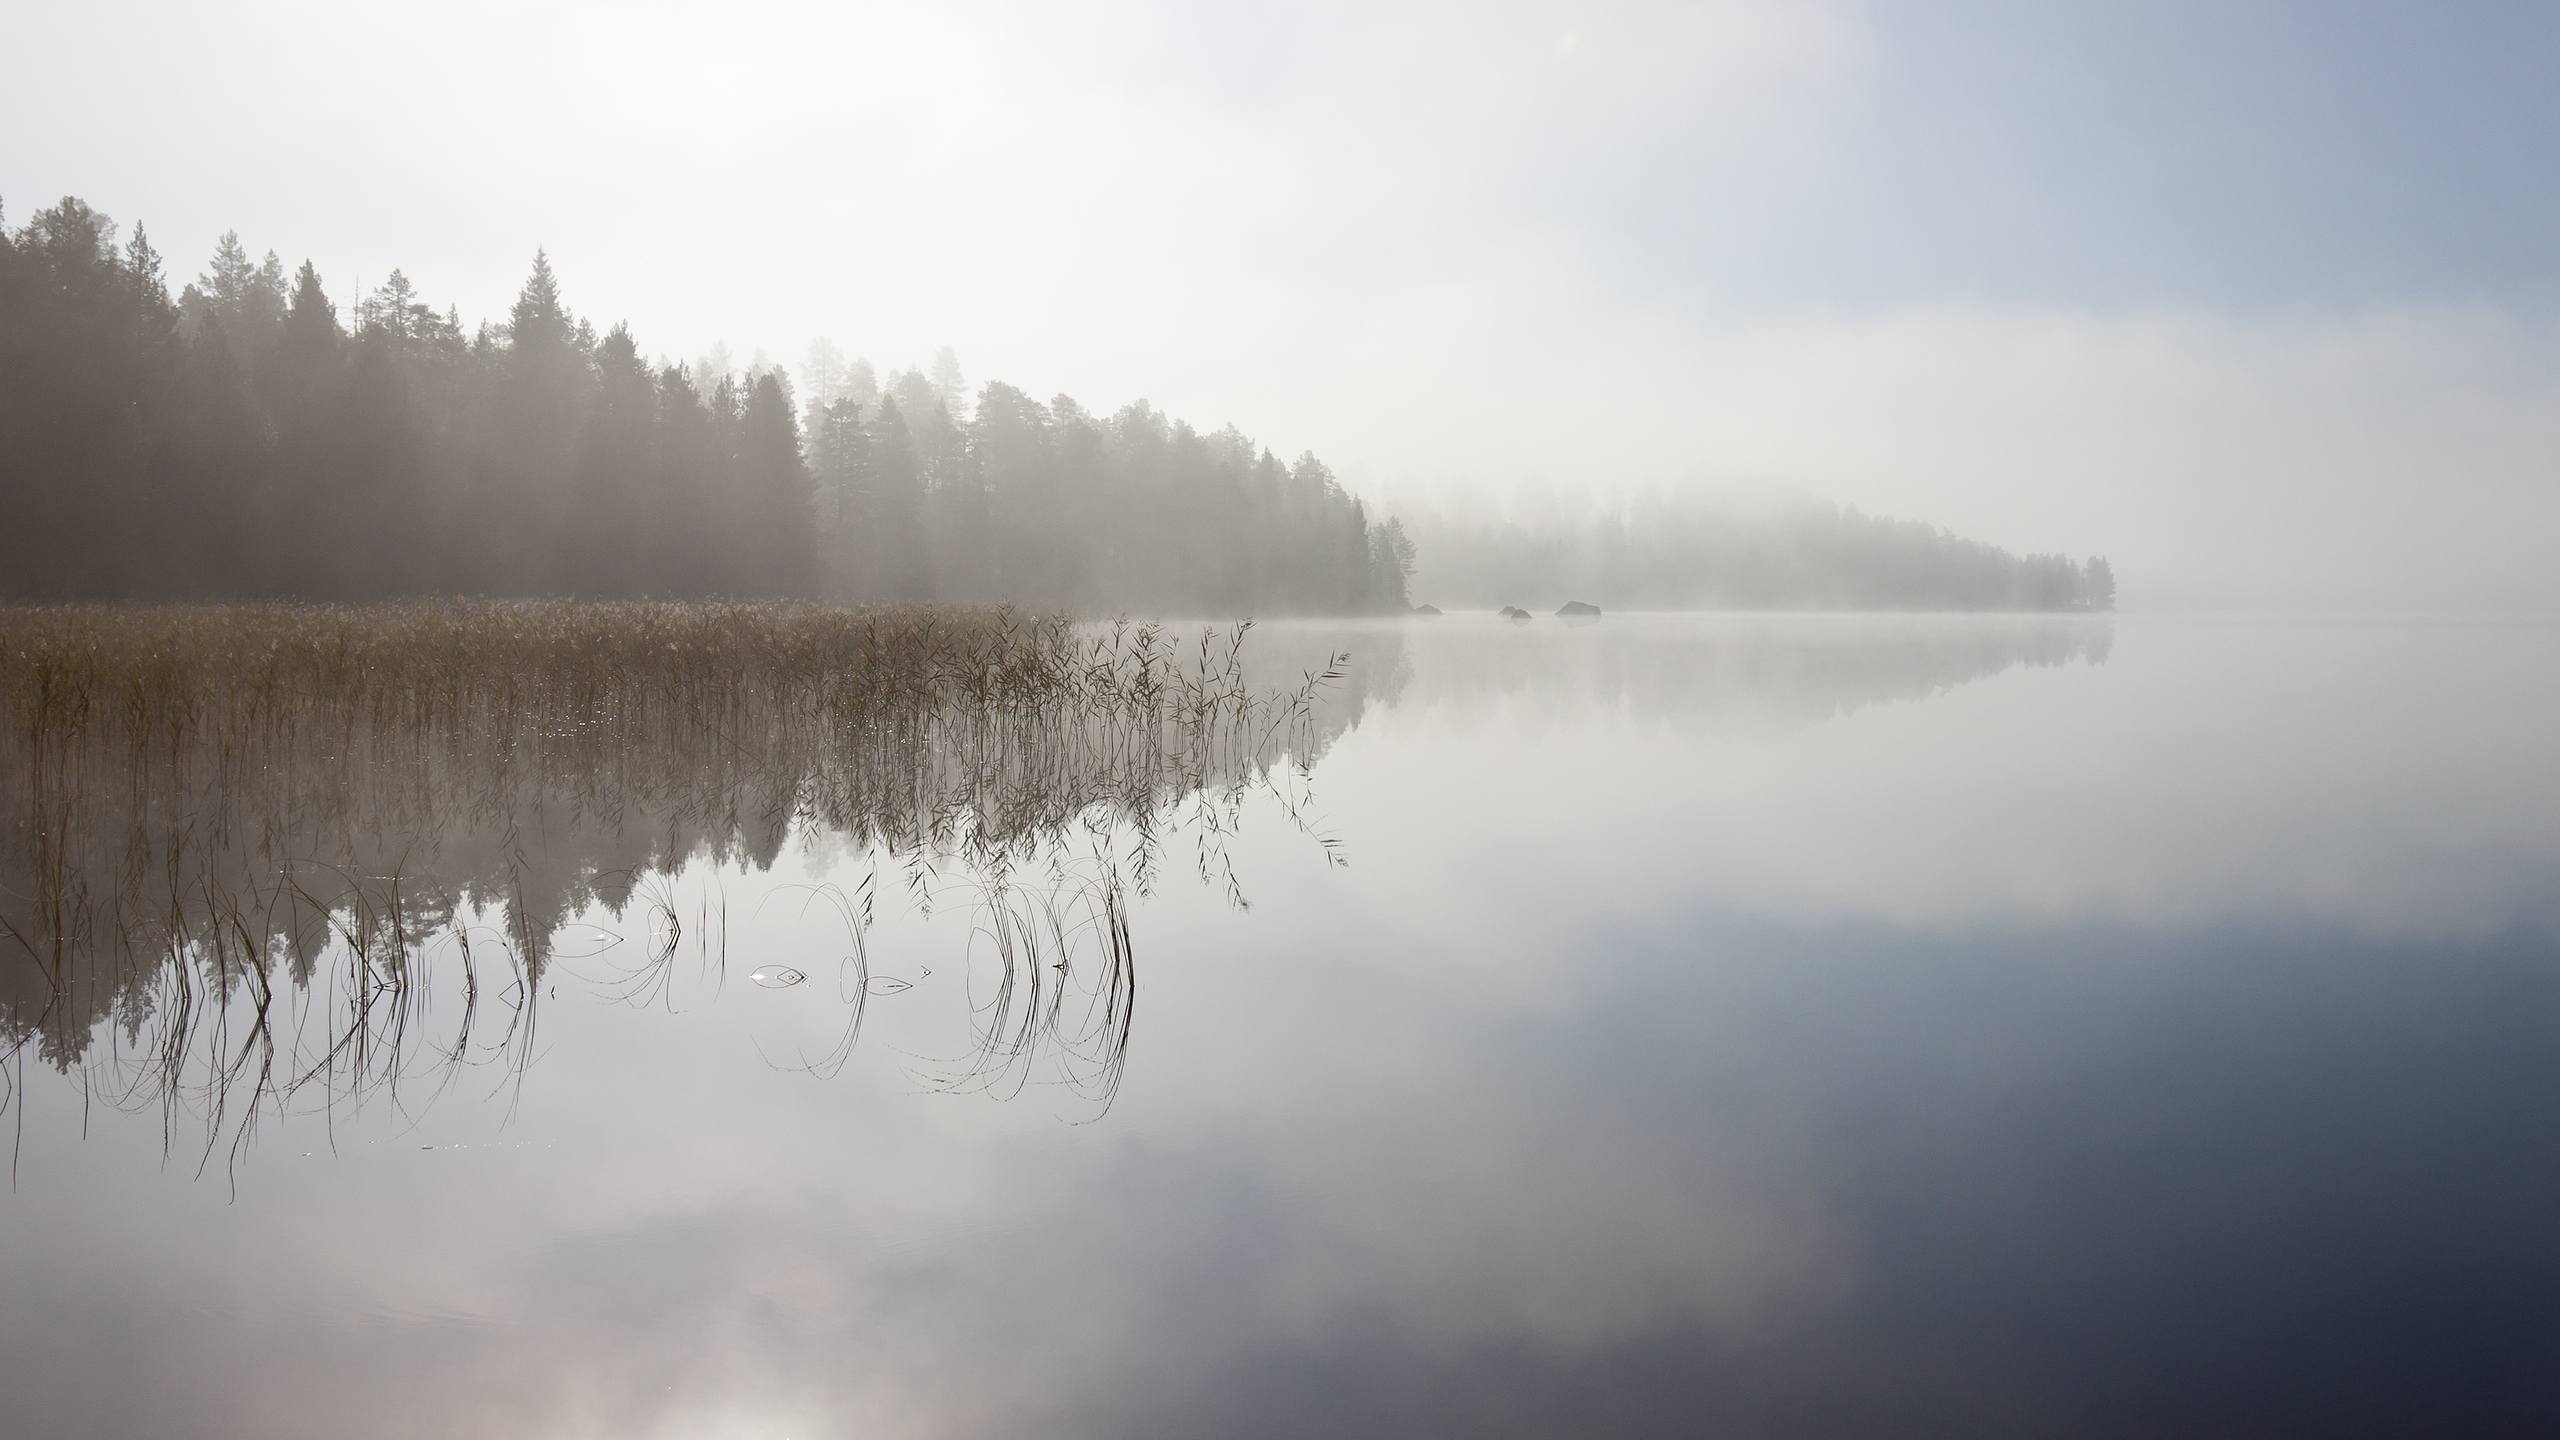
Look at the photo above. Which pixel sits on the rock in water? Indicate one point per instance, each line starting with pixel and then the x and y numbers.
pixel 1514 612
pixel 1578 610
pixel 1426 610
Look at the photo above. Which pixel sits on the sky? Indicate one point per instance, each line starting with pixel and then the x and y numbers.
pixel 2260 300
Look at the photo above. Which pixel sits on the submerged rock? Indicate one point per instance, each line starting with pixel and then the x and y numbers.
pixel 1578 610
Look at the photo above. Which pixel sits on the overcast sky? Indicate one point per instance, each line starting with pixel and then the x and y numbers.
pixel 2263 301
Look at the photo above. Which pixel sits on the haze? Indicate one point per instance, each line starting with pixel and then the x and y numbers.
pixel 2259 302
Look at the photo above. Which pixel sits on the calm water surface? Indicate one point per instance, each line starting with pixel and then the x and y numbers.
pixel 1671 1026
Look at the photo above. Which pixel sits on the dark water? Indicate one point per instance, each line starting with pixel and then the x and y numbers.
pixel 1672 1026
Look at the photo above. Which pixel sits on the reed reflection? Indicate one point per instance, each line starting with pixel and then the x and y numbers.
pixel 262 861
pixel 327 855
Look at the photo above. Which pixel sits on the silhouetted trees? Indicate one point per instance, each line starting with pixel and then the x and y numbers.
pixel 1672 553
pixel 2097 584
pixel 245 440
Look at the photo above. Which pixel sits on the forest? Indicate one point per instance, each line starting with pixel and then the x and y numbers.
pixel 1687 552
pixel 245 438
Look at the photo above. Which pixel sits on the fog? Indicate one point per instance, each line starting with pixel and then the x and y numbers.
pixel 1935 1025
pixel 2259 306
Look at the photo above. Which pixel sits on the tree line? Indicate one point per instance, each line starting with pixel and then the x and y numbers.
pixel 1668 552
pixel 243 438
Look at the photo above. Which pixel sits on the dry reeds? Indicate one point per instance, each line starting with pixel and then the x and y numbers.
pixel 258 838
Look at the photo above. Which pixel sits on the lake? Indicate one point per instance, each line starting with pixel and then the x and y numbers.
pixel 1672 1025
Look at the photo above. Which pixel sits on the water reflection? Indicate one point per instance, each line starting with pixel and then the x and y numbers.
pixel 210 910
pixel 211 904
pixel 1774 1025
pixel 1754 672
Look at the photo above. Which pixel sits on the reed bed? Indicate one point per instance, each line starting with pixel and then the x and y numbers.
pixel 262 840
pixel 66 668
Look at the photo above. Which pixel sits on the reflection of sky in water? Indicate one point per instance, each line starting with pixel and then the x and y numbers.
pixel 1750 1026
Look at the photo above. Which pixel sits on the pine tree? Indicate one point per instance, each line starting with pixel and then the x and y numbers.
pixel 528 473
pixel 821 378
pixel 781 546
pixel 229 275
pixel 861 386
pixel 901 568
pixel 840 465
pixel 538 322
pixel 614 463
pixel 1017 503
pixel 394 308
pixel 949 386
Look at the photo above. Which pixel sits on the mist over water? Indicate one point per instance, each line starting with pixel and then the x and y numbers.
pixel 1795 1025
pixel 1778 718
